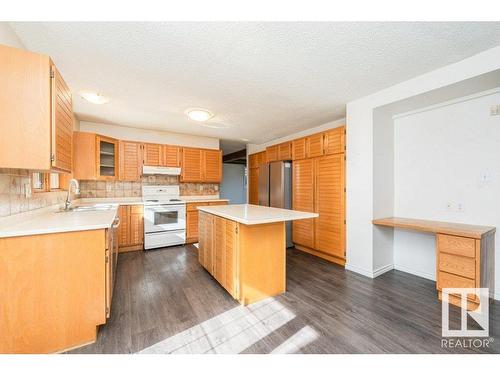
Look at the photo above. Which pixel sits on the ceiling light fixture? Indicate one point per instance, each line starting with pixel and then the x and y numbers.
pixel 94 97
pixel 199 115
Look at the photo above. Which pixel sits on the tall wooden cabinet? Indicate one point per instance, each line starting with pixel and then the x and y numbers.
pixel 303 200
pixel 330 205
pixel 36 113
pixel 254 161
pixel 318 185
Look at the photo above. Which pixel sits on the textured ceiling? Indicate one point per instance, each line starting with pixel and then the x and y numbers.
pixel 262 80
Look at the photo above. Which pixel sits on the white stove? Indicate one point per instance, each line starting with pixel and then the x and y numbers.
pixel 164 216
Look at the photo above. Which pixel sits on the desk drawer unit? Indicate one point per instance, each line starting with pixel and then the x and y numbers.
pixel 457 265
pixel 456 245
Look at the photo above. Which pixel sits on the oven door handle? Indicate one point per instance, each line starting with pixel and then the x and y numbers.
pixel 163 210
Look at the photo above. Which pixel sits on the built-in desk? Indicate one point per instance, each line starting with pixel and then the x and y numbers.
pixel 465 254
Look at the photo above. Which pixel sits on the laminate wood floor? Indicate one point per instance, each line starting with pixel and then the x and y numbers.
pixel 165 302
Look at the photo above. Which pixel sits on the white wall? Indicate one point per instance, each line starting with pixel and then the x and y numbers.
pixel 145 135
pixel 362 150
pixel 441 156
pixel 8 37
pixel 253 148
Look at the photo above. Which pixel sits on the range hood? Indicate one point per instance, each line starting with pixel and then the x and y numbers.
pixel 174 171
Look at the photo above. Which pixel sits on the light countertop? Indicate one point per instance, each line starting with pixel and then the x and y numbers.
pixel 250 214
pixel 50 220
pixel 138 200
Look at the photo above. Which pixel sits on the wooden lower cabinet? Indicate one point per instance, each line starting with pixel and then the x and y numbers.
pixel 55 289
pixel 192 215
pixel 131 230
pixel 247 260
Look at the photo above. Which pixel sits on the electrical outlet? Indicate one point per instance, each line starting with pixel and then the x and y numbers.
pixel 216 188
pixel 495 110
pixel 460 207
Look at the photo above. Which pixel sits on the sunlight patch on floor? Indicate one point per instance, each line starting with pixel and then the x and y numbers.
pixel 232 331
pixel 299 340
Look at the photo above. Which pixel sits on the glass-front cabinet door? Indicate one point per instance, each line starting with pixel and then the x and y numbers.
pixel 107 158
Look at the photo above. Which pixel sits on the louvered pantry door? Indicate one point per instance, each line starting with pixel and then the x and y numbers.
pixel 330 233
pixel 303 200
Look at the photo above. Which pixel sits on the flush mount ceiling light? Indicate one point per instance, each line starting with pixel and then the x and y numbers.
pixel 94 97
pixel 199 115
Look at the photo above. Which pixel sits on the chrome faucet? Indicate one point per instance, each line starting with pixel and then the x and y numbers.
pixel 72 182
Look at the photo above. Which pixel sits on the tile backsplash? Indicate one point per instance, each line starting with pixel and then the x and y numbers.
pixel 119 189
pixel 12 195
pixel 14 201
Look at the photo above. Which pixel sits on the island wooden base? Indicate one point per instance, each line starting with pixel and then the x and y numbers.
pixel 249 261
pixel 52 295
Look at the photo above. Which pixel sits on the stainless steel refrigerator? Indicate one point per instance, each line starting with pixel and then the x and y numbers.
pixel 275 189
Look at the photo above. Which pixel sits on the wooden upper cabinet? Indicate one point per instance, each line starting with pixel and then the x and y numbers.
pixel 191 165
pixel 171 156
pixel 107 157
pixel 212 165
pixel 130 161
pixel 255 160
pixel 303 200
pixel 285 151
pixel 153 154
pixel 329 204
pixel 62 123
pixel 314 145
pixel 335 141
pixel 36 114
pixel 272 153
pixel 84 156
pixel 299 149
pixel 201 165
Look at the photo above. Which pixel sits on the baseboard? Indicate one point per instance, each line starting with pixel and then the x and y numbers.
pixel 495 296
pixel 425 275
pixel 361 271
pixel 381 270
pixel 369 273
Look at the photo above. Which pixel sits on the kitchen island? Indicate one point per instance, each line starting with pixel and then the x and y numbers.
pixel 243 247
